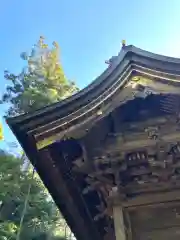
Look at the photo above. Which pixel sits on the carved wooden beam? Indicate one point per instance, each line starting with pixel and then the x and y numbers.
pixel 119 225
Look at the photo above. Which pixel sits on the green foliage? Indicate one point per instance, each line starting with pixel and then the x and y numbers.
pixel 41 215
pixel 40 83
pixel 46 237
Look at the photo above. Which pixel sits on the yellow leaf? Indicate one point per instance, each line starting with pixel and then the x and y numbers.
pixel 53 92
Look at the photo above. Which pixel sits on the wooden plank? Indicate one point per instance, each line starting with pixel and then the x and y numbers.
pixel 152 199
pixel 135 188
pixel 164 205
pixel 119 223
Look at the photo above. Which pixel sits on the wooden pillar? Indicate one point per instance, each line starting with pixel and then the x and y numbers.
pixel 119 223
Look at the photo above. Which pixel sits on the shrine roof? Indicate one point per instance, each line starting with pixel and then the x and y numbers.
pixel 129 60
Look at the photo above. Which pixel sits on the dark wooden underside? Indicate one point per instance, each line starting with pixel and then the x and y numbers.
pixel 73 169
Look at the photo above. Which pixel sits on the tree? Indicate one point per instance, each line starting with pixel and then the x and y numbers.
pixel 41 215
pixel 41 82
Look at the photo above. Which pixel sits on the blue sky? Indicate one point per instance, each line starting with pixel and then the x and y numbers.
pixel 88 32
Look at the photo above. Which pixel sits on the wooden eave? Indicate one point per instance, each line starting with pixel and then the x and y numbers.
pixel 60 187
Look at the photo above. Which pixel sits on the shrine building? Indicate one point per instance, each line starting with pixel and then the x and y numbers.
pixel 110 154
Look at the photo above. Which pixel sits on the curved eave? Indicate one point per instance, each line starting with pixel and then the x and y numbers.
pixel 79 107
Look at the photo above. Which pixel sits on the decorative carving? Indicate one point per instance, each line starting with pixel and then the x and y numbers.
pixel 159 164
pixel 111 61
pixel 140 86
pixel 153 132
pixel 123 42
pixel 139 161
